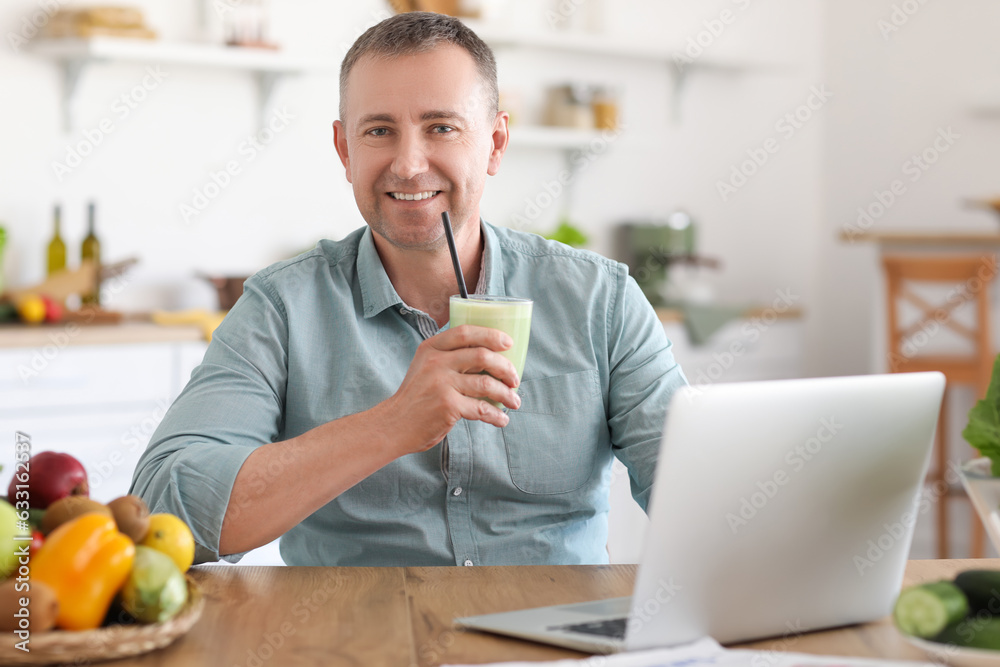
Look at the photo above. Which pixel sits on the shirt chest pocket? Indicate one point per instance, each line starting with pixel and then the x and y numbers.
pixel 552 440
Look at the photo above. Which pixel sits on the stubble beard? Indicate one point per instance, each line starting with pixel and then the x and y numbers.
pixel 409 238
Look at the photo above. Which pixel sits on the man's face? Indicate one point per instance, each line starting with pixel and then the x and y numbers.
pixel 418 140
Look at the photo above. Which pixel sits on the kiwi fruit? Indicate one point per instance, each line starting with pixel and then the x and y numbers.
pixel 68 508
pixel 132 516
pixel 43 605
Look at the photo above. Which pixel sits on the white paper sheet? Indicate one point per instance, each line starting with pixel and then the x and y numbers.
pixel 708 653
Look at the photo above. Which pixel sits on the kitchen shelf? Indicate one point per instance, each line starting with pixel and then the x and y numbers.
pixel 589 44
pixel 606 46
pixel 267 67
pixel 563 138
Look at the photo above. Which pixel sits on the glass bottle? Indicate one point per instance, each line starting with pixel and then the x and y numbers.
pixel 91 250
pixel 57 249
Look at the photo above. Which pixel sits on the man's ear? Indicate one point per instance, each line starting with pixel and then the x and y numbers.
pixel 340 142
pixel 500 138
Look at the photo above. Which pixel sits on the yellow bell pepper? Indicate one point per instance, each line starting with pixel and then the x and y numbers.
pixel 85 561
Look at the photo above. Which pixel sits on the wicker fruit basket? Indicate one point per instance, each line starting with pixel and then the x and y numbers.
pixel 105 643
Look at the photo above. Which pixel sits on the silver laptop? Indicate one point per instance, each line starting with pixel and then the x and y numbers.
pixel 777 508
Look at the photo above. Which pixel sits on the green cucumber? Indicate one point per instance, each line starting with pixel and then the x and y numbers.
pixel 973 632
pixel 982 590
pixel 925 610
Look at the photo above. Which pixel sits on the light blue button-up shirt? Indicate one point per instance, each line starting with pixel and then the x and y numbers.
pixel 325 335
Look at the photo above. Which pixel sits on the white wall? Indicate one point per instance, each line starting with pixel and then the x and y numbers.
pixel 294 192
pixel 895 90
pixel 776 233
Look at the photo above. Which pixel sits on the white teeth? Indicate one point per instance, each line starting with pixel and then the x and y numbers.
pixel 416 197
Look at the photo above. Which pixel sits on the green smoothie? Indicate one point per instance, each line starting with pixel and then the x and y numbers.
pixel 508 314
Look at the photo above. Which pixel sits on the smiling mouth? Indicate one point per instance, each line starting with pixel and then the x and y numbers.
pixel 416 196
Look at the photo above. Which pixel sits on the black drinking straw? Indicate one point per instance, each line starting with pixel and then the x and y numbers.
pixel 454 255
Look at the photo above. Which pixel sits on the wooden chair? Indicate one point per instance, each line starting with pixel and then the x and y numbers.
pixel 970 277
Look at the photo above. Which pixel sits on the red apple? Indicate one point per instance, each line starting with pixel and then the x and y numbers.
pixel 51 476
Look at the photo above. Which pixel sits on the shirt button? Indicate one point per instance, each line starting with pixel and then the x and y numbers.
pixel 457 491
pixel 468 563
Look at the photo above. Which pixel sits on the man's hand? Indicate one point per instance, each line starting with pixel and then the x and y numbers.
pixel 444 384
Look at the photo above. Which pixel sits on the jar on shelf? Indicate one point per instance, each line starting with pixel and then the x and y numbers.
pixel 246 24
pixel 605 105
pixel 569 105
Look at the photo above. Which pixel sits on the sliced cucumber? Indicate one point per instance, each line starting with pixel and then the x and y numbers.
pixel 925 610
pixel 982 590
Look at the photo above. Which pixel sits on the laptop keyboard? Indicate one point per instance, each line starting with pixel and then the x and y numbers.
pixel 612 627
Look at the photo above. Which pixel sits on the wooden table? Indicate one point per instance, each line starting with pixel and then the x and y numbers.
pixel 294 616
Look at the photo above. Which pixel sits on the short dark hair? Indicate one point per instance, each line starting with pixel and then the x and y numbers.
pixel 418 32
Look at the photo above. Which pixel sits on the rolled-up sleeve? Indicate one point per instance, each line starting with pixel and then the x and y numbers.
pixel 643 377
pixel 232 405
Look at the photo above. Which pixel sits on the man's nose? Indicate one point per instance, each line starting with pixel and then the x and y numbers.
pixel 411 157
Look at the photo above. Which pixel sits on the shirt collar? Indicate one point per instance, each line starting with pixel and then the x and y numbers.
pixel 377 292
pixel 491 272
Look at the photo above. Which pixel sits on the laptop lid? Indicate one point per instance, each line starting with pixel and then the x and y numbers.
pixel 784 506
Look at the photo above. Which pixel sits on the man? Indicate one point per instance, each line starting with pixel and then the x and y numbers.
pixel 335 408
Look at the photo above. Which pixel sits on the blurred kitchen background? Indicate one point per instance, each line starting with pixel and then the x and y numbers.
pixel 735 152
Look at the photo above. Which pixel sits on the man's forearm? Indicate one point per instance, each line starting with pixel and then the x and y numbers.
pixel 282 483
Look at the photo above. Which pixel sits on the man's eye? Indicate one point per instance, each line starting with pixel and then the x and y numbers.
pixel 443 129
pixel 378 131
